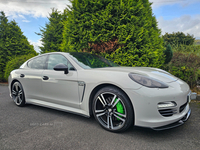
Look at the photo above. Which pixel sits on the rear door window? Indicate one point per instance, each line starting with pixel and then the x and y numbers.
pixel 38 63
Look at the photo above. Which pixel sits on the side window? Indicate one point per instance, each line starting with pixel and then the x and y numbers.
pixel 55 59
pixel 38 63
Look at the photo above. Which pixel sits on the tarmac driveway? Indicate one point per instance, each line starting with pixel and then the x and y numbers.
pixel 34 127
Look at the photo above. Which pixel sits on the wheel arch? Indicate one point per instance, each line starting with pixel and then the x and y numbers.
pixel 97 88
pixel 13 81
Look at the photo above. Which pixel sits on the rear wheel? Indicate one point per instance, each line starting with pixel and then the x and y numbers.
pixel 18 94
pixel 112 109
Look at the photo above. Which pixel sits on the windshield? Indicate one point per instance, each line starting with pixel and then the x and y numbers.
pixel 87 60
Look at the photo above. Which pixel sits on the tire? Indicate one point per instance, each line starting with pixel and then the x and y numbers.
pixel 18 94
pixel 112 109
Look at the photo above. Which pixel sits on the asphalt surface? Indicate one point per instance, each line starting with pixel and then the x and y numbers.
pixel 34 127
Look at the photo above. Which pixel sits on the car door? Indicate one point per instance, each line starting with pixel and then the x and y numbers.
pixel 58 87
pixel 31 78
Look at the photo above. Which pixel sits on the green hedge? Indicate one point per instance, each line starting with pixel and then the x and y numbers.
pixel 15 63
pixel 185 66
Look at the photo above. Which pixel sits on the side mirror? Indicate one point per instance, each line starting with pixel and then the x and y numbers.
pixel 61 67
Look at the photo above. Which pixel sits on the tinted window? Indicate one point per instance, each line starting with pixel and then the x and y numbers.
pixel 55 59
pixel 38 63
pixel 87 60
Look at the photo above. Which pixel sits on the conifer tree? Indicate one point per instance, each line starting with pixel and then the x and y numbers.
pixel 3 29
pixel 52 33
pixel 12 42
pixel 124 31
pixel 168 53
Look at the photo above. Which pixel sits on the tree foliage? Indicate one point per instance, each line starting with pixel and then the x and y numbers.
pixel 168 53
pixel 178 38
pixel 123 31
pixel 52 32
pixel 12 42
pixel 15 63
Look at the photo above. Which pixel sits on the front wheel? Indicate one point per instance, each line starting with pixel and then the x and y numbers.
pixel 18 94
pixel 112 109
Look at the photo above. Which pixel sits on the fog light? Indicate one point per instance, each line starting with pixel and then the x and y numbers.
pixel 166 104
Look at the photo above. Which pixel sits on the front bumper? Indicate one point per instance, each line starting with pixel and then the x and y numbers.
pixel 175 124
pixel 191 96
pixel 147 113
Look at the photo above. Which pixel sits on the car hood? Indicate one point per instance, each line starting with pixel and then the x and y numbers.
pixel 146 71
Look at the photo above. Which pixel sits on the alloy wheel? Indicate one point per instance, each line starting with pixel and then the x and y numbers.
pixel 17 94
pixel 110 111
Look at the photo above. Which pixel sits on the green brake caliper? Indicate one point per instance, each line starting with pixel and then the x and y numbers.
pixel 120 108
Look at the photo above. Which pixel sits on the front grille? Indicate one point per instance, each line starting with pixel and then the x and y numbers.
pixel 167 112
pixel 182 107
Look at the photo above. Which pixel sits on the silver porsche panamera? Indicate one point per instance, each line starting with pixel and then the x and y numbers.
pixel 87 84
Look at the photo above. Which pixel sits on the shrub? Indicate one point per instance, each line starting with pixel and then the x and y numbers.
pixel 187 49
pixel 179 38
pixel 15 63
pixel 185 66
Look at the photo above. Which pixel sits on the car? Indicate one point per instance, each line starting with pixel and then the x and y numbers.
pixel 87 84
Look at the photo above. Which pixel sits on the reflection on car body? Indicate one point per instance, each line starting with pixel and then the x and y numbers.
pixel 87 84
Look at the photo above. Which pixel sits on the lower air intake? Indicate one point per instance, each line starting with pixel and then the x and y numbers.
pixel 167 112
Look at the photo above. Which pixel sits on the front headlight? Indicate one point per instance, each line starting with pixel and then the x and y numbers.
pixel 147 81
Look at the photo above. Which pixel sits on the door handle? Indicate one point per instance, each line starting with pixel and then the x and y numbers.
pixel 22 75
pixel 45 78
